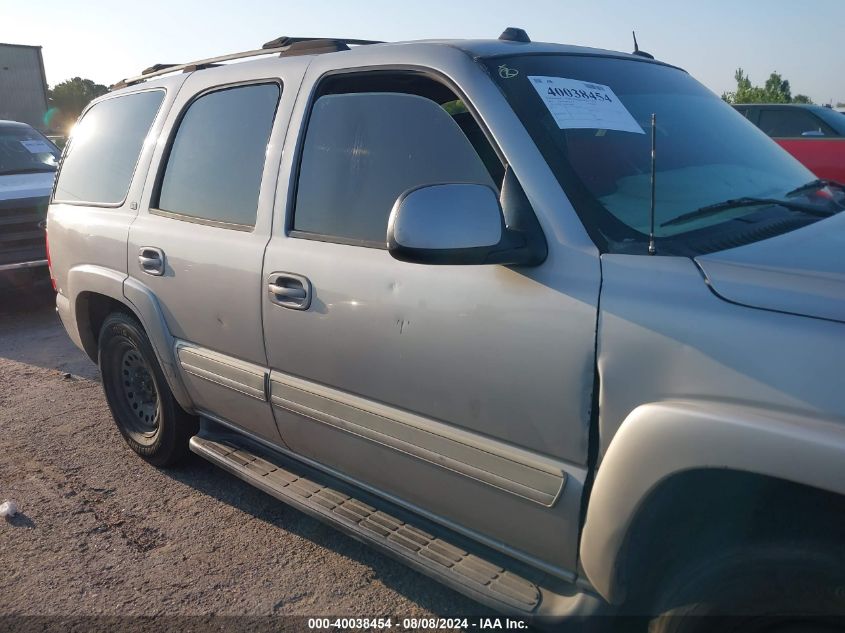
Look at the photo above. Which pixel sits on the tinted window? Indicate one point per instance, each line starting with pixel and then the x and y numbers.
pixel 23 150
pixel 104 148
pixel 834 119
pixel 217 157
pixel 363 150
pixel 792 122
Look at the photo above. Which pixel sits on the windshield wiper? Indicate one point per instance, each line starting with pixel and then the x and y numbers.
pixel 819 183
pixel 737 203
pixel 27 170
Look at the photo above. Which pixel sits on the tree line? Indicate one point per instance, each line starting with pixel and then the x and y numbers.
pixel 775 90
pixel 67 100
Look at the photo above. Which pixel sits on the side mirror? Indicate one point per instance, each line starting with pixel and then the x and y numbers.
pixel 462 223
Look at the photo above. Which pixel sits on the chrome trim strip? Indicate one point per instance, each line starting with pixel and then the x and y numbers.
pixel 517 471
pixel 248 228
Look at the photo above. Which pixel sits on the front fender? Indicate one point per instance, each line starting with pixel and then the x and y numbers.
pixel 660 440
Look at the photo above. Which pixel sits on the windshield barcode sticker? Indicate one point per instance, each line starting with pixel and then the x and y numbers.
pixel 576 104
pixel 36 146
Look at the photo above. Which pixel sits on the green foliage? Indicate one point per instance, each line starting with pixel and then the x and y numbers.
pixel 454 107
pixel 69 98
pixel 775 90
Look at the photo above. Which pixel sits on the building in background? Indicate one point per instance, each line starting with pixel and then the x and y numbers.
pixel 23 85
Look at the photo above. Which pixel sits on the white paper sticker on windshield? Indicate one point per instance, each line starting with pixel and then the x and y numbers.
pixel 36 146
pixel 576 104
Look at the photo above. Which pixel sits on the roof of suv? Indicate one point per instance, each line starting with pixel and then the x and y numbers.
pixel 482 48
pixel 497 48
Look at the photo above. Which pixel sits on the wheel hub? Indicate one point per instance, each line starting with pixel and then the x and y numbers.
pixel 140 391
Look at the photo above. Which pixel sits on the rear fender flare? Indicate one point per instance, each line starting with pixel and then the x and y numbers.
pixel 138 299
pixel 148 311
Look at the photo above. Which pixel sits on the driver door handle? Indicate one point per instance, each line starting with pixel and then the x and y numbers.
pixel 289 290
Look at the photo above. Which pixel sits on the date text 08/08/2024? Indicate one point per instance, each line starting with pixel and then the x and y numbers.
pixel 413 624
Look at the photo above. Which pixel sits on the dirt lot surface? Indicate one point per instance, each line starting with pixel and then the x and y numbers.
pixel 104 534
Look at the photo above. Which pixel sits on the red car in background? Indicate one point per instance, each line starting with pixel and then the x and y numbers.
pixel 813 134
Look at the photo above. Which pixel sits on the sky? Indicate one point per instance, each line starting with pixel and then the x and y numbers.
pixel 108 40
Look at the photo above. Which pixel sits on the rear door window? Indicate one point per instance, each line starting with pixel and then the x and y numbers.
pixel 103 151
pixel 216 161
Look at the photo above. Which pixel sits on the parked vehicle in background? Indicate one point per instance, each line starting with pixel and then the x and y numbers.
pixel 408 289
pixel 815 135
pixel 28 162
pixel 58 140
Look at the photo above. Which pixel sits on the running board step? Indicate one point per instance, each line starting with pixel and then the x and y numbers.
pixel 388 528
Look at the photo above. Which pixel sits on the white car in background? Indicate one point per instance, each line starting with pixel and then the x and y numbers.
pixel 28 162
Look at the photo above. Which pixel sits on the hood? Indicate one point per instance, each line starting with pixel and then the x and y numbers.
pixel 18 186
pixel 802 272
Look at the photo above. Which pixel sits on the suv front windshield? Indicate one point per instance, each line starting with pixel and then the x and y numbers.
pixel 23 150
pixel 590 116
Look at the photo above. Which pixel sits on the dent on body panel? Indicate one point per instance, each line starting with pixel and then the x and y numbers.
pixel 402 320
pixel 664 335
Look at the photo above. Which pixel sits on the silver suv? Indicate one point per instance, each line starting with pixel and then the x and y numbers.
pixel 553 325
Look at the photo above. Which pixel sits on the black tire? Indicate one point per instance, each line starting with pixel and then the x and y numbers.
pixel 774 588
pixel 140 400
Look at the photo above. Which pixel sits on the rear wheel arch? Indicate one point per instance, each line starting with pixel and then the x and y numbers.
pixel 91 310
pixel 97 298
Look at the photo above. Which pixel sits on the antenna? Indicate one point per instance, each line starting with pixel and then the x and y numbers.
pixel 651 248
pixel 637 50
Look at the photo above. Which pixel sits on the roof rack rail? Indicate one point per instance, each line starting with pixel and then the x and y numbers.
pixel 156 67
pixel 288 41
pixel 284 46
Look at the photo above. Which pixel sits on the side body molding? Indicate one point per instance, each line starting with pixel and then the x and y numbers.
pixel 241 376
pixel 659 440
pixel 519 472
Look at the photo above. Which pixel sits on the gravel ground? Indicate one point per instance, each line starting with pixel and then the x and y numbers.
pixel 102 533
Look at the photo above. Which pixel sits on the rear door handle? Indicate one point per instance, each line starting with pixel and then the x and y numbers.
pixel 289 290
pixel 151 260
pixel 284 291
